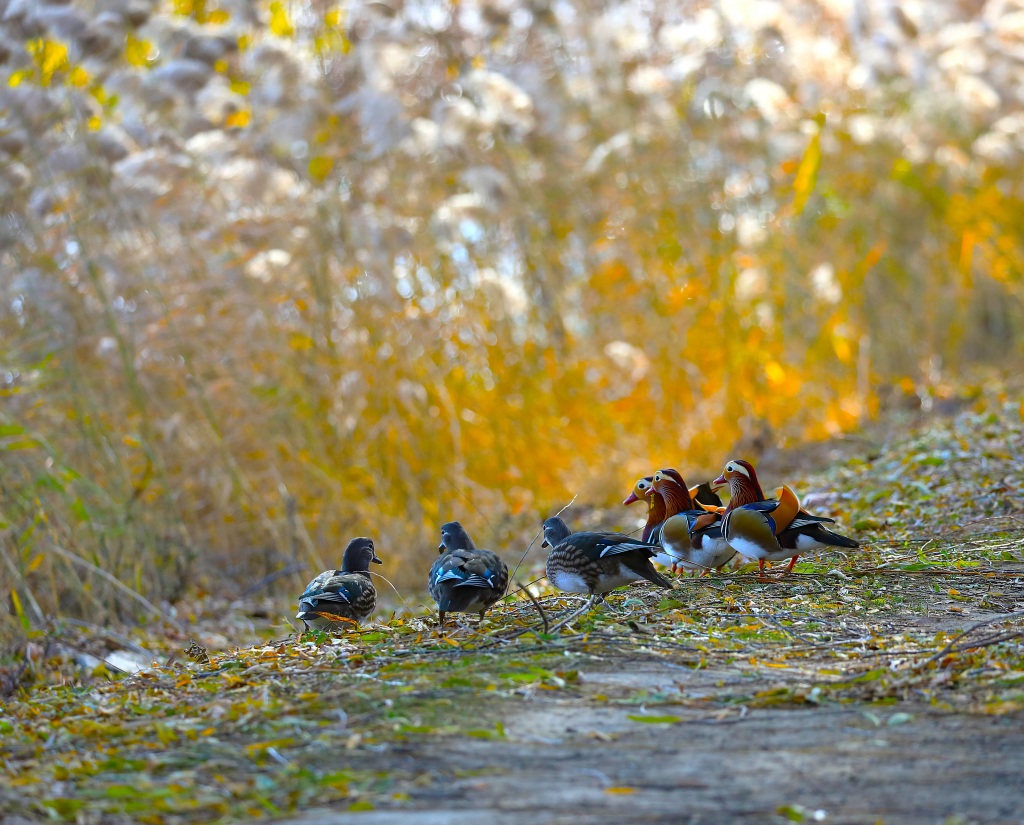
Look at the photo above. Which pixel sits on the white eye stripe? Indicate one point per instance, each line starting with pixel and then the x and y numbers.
pixel 737 468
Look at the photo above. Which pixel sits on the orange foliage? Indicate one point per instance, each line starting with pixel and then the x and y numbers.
pixel 365 275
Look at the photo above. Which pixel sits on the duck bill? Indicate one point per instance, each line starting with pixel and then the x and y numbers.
pixel 719 482
pixel 440 546
pixel 544 544
pixel 375 560
pixel 630 500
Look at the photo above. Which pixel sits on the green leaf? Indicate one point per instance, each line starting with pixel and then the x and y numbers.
pixel 655 720
pixel 26 625
pixel 21 444
pixel 79 510
pixel 794 813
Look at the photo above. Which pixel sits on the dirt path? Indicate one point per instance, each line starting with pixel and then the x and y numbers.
pixel 900 756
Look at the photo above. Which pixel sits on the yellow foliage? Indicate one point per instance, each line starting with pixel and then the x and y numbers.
pixel 431 295
pixel 239 119
pixel 198 11
pixel 775 373
pixel 807 172
pixel 78 77
pixel 280 24
pixel 49 56
pixel 320 167
pixel 138 52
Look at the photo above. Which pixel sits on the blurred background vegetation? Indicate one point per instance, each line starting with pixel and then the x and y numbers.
pixel 274 274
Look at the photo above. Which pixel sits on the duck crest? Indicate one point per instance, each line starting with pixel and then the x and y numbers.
pixel 675 492
pixel 744 488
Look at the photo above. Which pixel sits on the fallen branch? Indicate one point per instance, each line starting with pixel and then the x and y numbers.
pixel 949 648
pixel 537 604
pixel 583 609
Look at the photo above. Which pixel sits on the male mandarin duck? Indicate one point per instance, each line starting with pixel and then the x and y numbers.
pixel 704 495
pixel 596 563
pixel 465 579
pixel 771 529
pixel 692 536
pixel 337 597
pixel 655 505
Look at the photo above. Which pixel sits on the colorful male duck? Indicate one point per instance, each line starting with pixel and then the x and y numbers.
pixel 691 535
pixel 771 529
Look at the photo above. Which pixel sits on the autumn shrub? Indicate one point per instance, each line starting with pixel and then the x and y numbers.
pixel 277 274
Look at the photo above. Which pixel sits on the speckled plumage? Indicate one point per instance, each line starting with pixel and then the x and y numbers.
pixel 596 563
pixel 338 597
pixel 465 579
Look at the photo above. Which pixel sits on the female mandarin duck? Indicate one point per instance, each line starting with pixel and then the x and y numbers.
pixel 337 597
pixel 465 579
pixel 771 529
pixel 691 535
pixel 596 563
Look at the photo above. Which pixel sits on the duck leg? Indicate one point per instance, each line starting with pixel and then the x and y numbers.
pixel 761 577
pixel 792 564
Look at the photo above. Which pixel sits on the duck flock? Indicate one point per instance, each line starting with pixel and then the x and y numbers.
pixel 687 529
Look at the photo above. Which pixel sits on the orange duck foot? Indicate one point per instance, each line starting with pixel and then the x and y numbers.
pixel 761 577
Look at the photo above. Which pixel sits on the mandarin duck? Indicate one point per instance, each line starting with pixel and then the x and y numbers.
pixel 701 494
pixel 337 597
pixel 655 505
pixel 704 494
pixel 465 579
pixel 643 490
pixel 691 536
pixel 596 563
pixel 771 529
